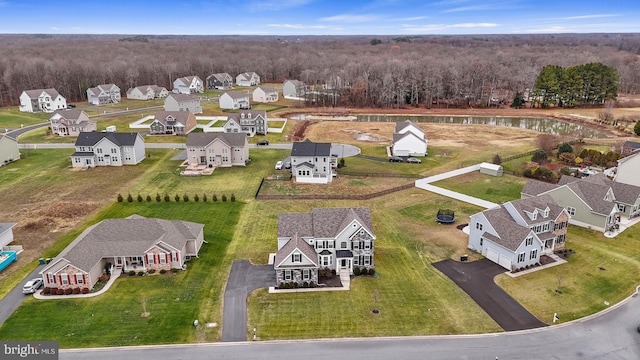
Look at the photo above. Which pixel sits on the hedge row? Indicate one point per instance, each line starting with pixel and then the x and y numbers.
pixel 176 198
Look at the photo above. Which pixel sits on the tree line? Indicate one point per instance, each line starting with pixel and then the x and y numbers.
pixel 420 71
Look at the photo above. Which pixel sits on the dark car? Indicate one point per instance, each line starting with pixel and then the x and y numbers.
pixel 263 142
pixel 70 106
pixel 395 159
pixel 413 160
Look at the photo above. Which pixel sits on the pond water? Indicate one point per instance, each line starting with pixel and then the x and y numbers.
pixel 546 125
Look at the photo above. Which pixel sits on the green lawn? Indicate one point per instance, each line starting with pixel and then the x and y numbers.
pixel 173 301
pixel 496 189
pixel 11 117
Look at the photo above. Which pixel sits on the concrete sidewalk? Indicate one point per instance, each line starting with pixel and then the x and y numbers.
pixel 116 274
pixel 425 184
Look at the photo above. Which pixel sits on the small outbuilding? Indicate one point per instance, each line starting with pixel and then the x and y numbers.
pixel 491 169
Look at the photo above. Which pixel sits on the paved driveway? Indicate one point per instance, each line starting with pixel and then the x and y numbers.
pixel 243 279
pixel 14 298
pixel 476 279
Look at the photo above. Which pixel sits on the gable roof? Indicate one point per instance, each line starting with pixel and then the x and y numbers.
pixel 296 243
pixel 118 138
pixel 624 193
pixel 510 233
pixel 187 80
pixel 184 97
pixel 397 137
pixel 309 148
pixel 537 203
pixel 222 77
pixel 593 194
pixel 236 94
pixel 125 237
pixel 104 87
pixel 323 222
pixel 295 83
pixel 237 116
pixel 247 75
pixel 71 114
pixel 180 116
pixel 267 89
pixel 403 124
pixel 537 187
pixel 4 227
pixel 204 139
pixel 34 94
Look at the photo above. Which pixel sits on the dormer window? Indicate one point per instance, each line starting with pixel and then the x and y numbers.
pixel 296 258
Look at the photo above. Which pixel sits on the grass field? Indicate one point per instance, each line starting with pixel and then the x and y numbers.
pixel 490 188
pixel 173 301
pixel 12 118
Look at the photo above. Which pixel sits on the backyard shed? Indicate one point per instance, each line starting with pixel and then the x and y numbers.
pixel 491 169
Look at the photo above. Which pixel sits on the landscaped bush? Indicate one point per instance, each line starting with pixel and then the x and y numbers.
pixel 176 198
pixel 185 197
pixel 224 197
pixel 85 290
pixel 196 198
pixel 104 278
pixel 59 291
pixel 325 273
pixel 68 291
pixel 76 290
pixel 152 271
pixel 132 273
pixel 281 285
pixel 139 198
pixel 162 271
pixel 149 198
pixel 140 273
pixel 356 271
pixel 233 198
pixel 312 284
pixel 46 291
pixel 174 270
pixel 129 198
pixel 372 272
pixel 120 198
pixel 214 197
pixel 167 198
pixel 204 197
pixel 158 198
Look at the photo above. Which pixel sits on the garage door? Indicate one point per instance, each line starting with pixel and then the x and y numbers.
pixel 505 262
pixel 493 255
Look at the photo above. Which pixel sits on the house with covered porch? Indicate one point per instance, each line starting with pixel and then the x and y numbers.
pixel 339 239
pixel 115 245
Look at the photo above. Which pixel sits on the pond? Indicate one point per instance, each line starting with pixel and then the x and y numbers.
pixel 546 125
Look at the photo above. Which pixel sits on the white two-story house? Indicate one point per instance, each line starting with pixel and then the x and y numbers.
pixel 188 85
pixel 42 100
pixel 265 94
pixel 250 122
pixel 183 102
pixel 312 162
pixel 108 149
pixel 339 239
pixel 103 94
pixel 409 140
pixel 233 100
pixel 248 79
pixel 147 92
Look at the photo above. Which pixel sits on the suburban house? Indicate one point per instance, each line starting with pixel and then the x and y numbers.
pixel 6 234
pixel 172 123
pixel 147 92
pixel 248 79
pixel 9 150
pixel 42 100
pixel 594 202
pixel 188 85
pixel 516 233
pixel 233 100
pixel 217 149
pixel 71 122
pixel 293 88
pixel 107 149
pixel 183 102
pixel 312 162
pixel 221 81
pixel 265 94
pixel 339 239
pixel 115 245
pixel 250 122
pixel 628 170
pixel 408 140
pixel 629 147
pixel 103 94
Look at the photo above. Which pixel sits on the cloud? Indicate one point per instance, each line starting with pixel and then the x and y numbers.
pixel 276 5
pixel 594 16
pixel 54 28
pixel 350 18
pixel 549 29
pixel 298 26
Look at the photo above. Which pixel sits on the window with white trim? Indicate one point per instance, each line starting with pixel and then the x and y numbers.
pixel 79 279
pixel 479 226
pixel 65 279
pixel 529 241
pixel 306 274
pixel 287 275
pixel 533 254
pixel 150 258
pixel 520 257
pixel 343 245
pixel 163 259
pixel 296 258
pixel 571 211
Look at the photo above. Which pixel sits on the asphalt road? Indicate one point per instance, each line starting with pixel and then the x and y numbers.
pixel 608 335
pixel 10 303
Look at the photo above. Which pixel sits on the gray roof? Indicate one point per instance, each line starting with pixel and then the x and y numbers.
pixel 237 94
pixel 309 148
pixel 537 187
pixel 397 136
pixel 322 223
pixel 184 97
pixel 6 226
pixel 145 88
pixel 403 124
pixel 73 114
pixel 510 233
pixel 204 139
pixel 187 80
pixel 267 89
pixel 254 114
pixel 104 87
pixel 593 194
pixel 624 193
pixel 540 202
pixel 296 243
pixel 295 83
pixel 180 116
pixel 34 94
pixel 247 75
pixel 118 138
pixel 222 77
pixel 125 237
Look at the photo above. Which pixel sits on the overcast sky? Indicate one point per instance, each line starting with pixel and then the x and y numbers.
pixel 318 17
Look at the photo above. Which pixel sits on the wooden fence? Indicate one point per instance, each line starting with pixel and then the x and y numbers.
pixel 336 196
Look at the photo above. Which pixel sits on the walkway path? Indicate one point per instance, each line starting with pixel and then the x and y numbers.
pixel 116 274
pixel 425 184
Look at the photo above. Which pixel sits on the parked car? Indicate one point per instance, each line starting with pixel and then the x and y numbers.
pixel 263 142
pixel 279 165
pixel 32 285
pixel 413 160
pixel 70 106
pixel 396 159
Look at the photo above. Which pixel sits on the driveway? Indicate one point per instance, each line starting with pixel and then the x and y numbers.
pixel 476 279
pixel 243 279
pixel 14 298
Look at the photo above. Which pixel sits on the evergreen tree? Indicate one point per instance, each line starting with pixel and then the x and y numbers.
pixel 518 101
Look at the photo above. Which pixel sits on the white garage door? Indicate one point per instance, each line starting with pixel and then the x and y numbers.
pixel 493 255
pixel 505 262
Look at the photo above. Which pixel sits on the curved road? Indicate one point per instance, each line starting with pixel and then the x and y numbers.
pixel 611 334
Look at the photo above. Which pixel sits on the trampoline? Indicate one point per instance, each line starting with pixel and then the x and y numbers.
pixel 445 216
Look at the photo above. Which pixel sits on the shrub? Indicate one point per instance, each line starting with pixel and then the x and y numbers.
pixel 204 197
pixel 176 198
pixel 129 198
pixel 196 198
pixel 158 198
pixel 325 272
pixel 233 198
pixel 497 159
pixel 281 285
pixel 59 291
pixel 46 291
pixel 372 272
pixel 224 197
pixel 148 198
pixel 214 197
pixel 132 273
pixel 540 156
pixel 76 290
pixel 120 199
pixel 636 128
pixel 85 290
pixel 68 291
pixel 185 197
pixel 356 271
pixel 312 284
pixel 140 273
pixel 139 198
pixel 104 278
pixel 152 271
pixel 295 285
pixel 305 284
pixel 564 148
pixel 174 270
pixel 162 271
pixel 167 198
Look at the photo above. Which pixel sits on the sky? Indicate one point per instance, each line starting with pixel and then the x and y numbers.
pixel 319 17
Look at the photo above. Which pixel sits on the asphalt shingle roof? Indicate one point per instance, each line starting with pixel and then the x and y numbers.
pixel 118 138
pixel 309 148
pixel 510 234
pixel 322 223
pixel 536 187
pixel 296 243
pixel 180 116
pixel 34 94
pixel 204 139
